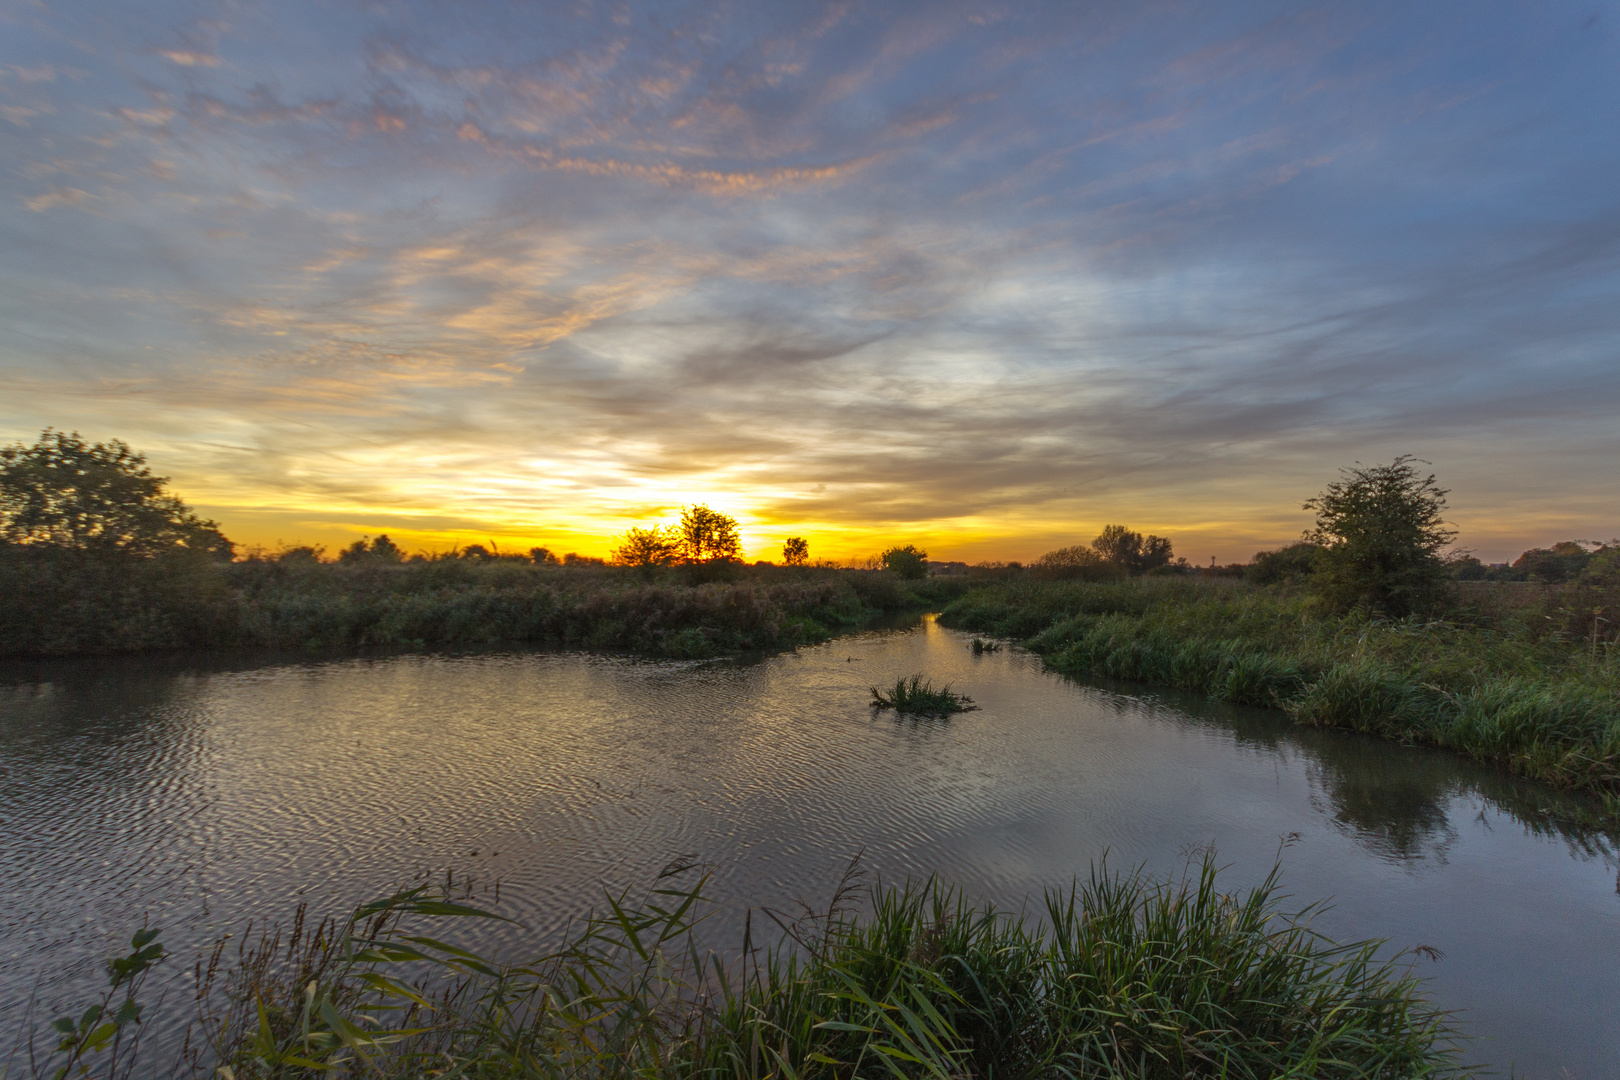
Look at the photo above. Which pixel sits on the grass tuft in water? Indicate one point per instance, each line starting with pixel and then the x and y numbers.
pixel 1122 977
pixel 980 646
pixel 918 696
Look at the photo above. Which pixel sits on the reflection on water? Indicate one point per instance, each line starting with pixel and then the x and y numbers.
pixel 204 793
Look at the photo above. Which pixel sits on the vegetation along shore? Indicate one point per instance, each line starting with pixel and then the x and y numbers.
pixel 1365 625
pixel 97 556
pixel 1119 976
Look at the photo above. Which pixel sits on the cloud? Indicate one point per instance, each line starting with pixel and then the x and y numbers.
pixel 189 58
pixel 991 275
pixel 56 197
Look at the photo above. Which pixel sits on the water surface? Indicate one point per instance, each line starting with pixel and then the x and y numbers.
pixel 205 793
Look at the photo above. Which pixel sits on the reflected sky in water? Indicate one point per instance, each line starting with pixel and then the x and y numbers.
pixel 205 793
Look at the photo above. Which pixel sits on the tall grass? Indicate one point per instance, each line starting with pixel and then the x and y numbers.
pixel 1500 685
pixel 920 697
pixel 1123 977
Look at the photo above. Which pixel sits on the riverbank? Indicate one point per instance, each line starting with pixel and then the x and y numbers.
pixel 1119 977
pixel 1496 680
pixel 67 604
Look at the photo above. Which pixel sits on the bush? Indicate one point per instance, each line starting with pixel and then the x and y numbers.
pixel 909 562
pixel 1381 534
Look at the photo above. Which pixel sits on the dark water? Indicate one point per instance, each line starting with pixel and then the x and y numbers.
pixel 204 795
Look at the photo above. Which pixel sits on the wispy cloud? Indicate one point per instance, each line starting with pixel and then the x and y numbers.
pixel 988 274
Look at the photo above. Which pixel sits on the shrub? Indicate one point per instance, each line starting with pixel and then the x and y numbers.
pixel 1381 534
pixel 909 562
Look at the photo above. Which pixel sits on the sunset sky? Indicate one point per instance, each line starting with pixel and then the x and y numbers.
pixel 980 276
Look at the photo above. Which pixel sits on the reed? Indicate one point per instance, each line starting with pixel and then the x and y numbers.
pixel 919 697
pixel 1122 977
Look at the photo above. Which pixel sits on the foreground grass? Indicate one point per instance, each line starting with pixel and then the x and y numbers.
pixel 1124 977
pixel 1492 681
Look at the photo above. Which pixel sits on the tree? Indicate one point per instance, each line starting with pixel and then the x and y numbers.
pixel 98 497
pixel 646 548
pixel 380 550
pixel 795 551
pixel 1293 563
pixel 910 562
pixel 1079 561
pixel 707 535
pixel 1381 533
pixel 1131 551
pixel 1560 562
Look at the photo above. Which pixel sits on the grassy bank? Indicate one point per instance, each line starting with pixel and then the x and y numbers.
pixel 1500 678
pixel 1122 978
pixel 68 602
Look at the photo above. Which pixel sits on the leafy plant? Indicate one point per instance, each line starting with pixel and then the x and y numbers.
pixel 108 1025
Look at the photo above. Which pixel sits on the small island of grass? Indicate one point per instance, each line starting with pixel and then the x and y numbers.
pixel 918 696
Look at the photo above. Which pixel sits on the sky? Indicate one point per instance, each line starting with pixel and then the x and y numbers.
pixel 983 277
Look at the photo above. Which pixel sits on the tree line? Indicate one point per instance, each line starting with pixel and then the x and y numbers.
pixel 1379 540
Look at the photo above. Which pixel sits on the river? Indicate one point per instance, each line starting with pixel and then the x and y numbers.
pixel 200 792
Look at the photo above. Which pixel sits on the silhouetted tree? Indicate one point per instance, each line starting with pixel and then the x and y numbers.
pixel 385 550
pixel 380 550
pixel 1560 562
pixel 910 562
pixel 1131 551
pixel 1381 532
pixel 647 548
pixel 96 497
pixel 1079 561
pixel 795 551
pixel 707 535
pixel 1296 562
pixel 542 556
